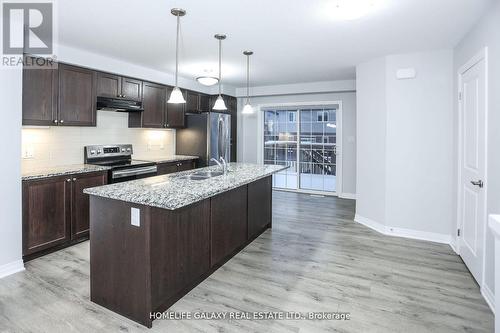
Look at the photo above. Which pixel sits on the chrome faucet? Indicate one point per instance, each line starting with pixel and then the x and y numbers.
pixel 222 164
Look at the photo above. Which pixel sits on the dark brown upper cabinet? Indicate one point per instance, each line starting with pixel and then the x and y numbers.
pixel 197 102
pixel 154 104
pixel 110 85
pixel 77 96
pixel 39 96
pixel 204 103
pixel 175 114
pixel 131 89
pixel 192 101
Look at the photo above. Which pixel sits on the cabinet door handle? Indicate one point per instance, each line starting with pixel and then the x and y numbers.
pixel 74 179
pixel 68 180
pixel 55 121
pixel 124 96
pixel 61 121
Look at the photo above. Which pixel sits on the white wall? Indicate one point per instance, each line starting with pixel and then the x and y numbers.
pixel 10 172
pixel 249 134
pixel 486 33
pixel 419 143
pixel 371 138
pixel 405 144
pixel 53 146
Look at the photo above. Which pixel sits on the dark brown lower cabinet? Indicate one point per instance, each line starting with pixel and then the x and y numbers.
pixel 55 211
pixel 166 168
pixel 260 196
pixel 80 202
pixel 139 269
pixel 46 212
pixel 228 222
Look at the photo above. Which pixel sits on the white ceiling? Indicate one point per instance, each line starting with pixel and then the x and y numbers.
pixel 294 41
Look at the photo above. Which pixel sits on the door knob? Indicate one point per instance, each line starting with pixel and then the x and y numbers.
pixel 477 183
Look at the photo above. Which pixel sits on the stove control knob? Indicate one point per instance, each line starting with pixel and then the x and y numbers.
pixel 123 150
pixel 92 152
pixel 99 151
pixel 128 150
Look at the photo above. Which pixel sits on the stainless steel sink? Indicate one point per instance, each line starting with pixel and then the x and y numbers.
pixel 203 175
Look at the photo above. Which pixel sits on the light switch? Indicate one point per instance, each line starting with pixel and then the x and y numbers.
pixel 135 216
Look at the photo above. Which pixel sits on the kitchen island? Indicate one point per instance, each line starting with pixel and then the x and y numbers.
pixel 152 240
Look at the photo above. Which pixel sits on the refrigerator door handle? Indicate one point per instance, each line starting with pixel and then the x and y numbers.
pixel 220 143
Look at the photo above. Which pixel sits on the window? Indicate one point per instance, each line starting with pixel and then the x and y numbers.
pixel 304 139
pixel 322 116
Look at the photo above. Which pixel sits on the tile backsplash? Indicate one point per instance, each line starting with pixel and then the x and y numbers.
pixel 52 146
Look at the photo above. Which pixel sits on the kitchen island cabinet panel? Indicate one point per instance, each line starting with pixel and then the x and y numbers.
pixel 182 252
pixel 228 222
pixel 260 194
pixel 186 230
pixel 120 270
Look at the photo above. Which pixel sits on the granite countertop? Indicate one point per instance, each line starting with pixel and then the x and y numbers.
pixel 61 170
pixel 167 159
pixel 173 191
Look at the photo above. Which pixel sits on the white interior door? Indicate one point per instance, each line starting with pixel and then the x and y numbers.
pixel 473 167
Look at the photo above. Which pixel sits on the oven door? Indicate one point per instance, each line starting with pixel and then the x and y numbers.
pixel 123 175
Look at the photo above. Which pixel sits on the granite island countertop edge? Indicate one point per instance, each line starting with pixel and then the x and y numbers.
pixel 145 193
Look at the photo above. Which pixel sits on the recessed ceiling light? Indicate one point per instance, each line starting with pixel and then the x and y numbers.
pixel 352 9
pixel 207 80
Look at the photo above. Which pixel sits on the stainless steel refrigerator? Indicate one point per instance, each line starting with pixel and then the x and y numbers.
pixel 206 135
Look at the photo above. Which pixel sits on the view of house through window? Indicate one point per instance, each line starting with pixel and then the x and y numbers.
pixel 305 139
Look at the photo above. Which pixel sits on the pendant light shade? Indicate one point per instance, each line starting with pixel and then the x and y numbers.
pixel 176 95
pixel 248 109
pixel 220 105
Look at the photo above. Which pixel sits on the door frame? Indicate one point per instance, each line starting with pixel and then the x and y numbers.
pixel 481 55
pixel 339 157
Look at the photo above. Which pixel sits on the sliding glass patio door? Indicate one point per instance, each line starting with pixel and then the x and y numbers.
pixel 305 139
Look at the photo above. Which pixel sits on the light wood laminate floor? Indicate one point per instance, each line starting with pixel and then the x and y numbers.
pixel 316 258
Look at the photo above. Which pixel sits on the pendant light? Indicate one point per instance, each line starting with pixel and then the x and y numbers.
pixel 176 95
pixel 248 109
pixel 219 103
pixel 207 80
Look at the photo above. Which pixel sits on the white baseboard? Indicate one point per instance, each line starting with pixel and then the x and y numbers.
pixel 347 196
pixel 11 268
pixel 402 232
pixel 488 296
pixel 453 244
pixel 370 223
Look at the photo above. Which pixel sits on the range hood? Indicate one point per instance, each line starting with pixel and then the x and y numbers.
pixel 118 104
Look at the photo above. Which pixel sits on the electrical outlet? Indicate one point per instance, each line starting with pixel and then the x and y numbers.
pixel 28 152
pixel 135 217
